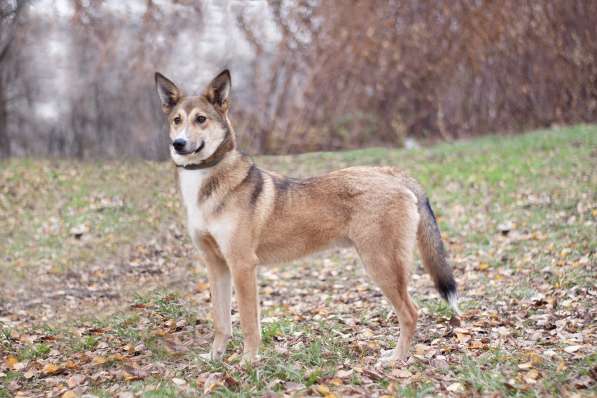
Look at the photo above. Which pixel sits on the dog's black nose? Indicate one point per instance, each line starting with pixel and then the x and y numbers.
pixel 179 144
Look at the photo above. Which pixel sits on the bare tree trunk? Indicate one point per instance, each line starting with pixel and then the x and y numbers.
pixel 8 22
pixel 4 141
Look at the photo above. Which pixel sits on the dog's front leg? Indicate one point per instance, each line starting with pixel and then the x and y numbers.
pixel 221 296
pixel 244 277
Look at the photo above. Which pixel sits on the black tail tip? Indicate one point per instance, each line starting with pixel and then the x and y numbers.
pixel 447 288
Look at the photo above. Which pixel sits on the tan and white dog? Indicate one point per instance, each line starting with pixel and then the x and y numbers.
pixel 240 216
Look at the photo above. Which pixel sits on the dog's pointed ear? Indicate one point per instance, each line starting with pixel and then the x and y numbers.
pixel 167 91
pixel 218 90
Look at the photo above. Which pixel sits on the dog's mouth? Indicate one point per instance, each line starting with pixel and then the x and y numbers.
pixel 185 153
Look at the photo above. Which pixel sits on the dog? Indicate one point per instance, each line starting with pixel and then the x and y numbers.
pixel 240 216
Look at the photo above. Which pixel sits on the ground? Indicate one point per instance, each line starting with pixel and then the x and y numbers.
pixel 101 293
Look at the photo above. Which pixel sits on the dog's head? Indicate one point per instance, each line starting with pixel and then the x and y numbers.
pixel 198 125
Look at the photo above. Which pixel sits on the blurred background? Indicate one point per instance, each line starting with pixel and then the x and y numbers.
pixel 76 76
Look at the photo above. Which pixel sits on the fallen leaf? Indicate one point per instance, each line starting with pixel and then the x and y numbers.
pixel 322 389
pixel 10 361
pixel 29 374
pixel 201 287
pixel 344 373
pixel 178 382
pixel 75 380
pixel 421 349
pixel 99 360
pixel 51 369
pixel 20 365
pixel 572 349
pixel 336 381
pixel 401 373
pixel 455 387
pixel 293 387
pixel 531 376
pixel 476 345
pixel 213 382
pixel 525 366
pixel 132 373
pixel 463 338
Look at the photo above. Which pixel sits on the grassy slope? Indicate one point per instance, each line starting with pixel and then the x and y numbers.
pixel 527 293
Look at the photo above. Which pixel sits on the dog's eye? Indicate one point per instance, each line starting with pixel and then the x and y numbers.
pixel 201 119
pixel 177 120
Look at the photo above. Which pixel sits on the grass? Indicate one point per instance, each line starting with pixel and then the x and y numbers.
pixel 118 300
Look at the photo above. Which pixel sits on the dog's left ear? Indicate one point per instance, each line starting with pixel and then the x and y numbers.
pixel 217 91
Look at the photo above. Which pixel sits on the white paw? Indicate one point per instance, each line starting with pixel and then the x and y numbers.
pixel 249 359
pixel 390 358
pixel 217 355
pixel 389 355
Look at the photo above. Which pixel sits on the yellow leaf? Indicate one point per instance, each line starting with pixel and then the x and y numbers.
pixel 565 252
pixel 69 394
pixel 535 358
pixel 421 349
pixel 51 369
pixel 475 345
pixel 373 345
pixel 531 376
pixel 11 361
pixel 117 357
pixel 323 390
pixel 70 364
pixel 463 338
pixel 99 360
pixel 483 266
pixel 201 286
pixel 525 366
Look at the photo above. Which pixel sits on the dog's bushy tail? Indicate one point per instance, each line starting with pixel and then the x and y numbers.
pixel 434 254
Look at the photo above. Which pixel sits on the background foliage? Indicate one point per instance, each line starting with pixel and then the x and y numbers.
pixel 76 76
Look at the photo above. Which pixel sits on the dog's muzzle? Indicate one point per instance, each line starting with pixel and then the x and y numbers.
pixel 180 145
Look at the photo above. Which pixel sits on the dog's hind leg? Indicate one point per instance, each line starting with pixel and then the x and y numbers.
pixel 391 275
pixel 387 254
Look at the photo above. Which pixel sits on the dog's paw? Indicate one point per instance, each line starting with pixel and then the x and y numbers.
pixel 216 355
pixel 249 359
pixel 391 358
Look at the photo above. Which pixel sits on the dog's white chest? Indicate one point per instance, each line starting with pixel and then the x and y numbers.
pixel 190 184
